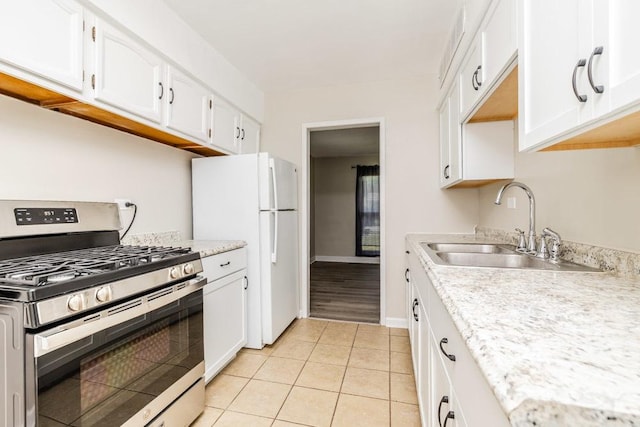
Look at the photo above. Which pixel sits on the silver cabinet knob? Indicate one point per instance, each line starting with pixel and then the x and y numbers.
pixel 75 303
pixel 188 268
pixel 174 273
pixel 103 294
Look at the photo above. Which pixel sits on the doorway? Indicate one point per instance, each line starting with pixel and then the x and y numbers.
pixel 343 204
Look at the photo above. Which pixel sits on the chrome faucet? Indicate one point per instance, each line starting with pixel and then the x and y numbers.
pixel 531 246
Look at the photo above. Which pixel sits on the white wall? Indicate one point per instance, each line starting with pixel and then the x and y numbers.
pixel 588 196
pixel 52 156
pixel 414 202
pixel 335 204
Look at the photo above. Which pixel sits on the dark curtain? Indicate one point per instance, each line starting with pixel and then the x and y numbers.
pixel 368 211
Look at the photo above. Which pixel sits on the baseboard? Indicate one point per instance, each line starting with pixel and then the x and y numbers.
pixel 312 260
pixel 396 322
pixel 349 259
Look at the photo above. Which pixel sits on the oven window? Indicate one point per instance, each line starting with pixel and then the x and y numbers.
pixel 105 379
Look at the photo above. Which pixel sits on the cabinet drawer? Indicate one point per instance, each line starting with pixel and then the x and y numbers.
pixel 220 265
pixel 472 390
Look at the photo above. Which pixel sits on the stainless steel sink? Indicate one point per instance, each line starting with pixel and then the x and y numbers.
pixel 493 255
pixel 484 248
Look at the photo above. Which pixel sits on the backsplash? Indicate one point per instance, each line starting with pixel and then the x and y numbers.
pixel 625 264
pixel 164 238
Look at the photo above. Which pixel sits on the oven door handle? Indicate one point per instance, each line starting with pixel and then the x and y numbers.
pixel 60 336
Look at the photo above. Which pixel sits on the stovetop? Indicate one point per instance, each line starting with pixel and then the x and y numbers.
pixel 60 267
pixel 37 277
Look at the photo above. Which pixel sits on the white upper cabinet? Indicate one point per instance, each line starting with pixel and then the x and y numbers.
pixel 579 68
pixel 127 75
pixel 617 67
pixel 471 77
pixel 473 154
pixel 499 39
pixel 552 69
pixel 187 105
pixel 225 125
pixel 490 55
pixel 49 44
pixel 450 139
pixel 249 136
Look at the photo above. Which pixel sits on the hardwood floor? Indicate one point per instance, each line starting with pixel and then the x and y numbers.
pixel 342 291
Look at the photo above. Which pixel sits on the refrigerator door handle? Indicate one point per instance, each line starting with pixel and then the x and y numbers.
pixel 274 183
pixel 274 253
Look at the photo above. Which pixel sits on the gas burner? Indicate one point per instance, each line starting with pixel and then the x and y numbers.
pixel 64 266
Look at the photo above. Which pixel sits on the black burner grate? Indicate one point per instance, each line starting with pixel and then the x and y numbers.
pixel 62 266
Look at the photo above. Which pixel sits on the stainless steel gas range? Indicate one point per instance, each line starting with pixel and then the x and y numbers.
pixel 94 333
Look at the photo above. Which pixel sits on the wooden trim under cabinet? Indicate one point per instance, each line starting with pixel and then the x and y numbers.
pixel 502 104
pixel 45 98
pixel 621 132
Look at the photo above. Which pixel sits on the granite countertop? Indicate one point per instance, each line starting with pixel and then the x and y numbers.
pixel 212 247
pixel 557 348
pixel 172 238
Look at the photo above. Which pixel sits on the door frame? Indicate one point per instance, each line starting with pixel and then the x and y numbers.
pixel 305 239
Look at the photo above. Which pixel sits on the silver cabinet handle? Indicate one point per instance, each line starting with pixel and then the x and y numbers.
pixel 596 88
pixel 449 356
pixel 478 82
pixel 581 63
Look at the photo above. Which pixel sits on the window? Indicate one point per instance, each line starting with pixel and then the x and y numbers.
pixel 368 211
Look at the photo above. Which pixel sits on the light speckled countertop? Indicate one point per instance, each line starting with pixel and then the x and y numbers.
pixel 212 247
pixel 557 348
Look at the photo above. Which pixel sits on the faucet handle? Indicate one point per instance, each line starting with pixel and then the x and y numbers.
pixel 522 242
pixel 554 253
pixel 542 250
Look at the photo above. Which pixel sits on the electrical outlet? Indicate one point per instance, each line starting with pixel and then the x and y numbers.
pixel 122 203
pixel 511 202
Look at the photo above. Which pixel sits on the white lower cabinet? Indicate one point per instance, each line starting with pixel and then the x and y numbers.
pixel 452 391
pixel 225 309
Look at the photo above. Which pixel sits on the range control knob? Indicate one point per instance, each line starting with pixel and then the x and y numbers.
pixel 75 303
pixel 188 268
pixel 103 294
pixel 174 273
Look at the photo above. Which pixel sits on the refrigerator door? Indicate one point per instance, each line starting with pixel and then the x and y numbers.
pixel 279 272
pixel 278 184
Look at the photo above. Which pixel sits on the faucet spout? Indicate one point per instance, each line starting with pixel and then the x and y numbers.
pixel 531 248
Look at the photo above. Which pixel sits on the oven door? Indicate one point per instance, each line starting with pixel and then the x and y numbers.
pixel 121 366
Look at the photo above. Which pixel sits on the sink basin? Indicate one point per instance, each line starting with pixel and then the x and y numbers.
pixel 493 255
pixel 483 248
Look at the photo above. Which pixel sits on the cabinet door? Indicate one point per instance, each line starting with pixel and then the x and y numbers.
pixel 225 127
pixel 187 105
pixel 249 136
pixel 471 77
pixel 414 329
pixel 444 410
pixel 554 36
pixel 127 74
pixel 450 139
pixel 499 39
pixel 423 374
pixel 225 321
pixel 50 44
pixel 445 166
pixel 617 68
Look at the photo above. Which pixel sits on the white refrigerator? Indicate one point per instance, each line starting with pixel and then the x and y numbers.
pixel 253 197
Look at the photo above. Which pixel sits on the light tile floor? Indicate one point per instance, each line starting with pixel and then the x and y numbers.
pixel 318 373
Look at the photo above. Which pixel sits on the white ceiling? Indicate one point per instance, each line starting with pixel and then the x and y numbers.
pixel 345 142
pixel 281 44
